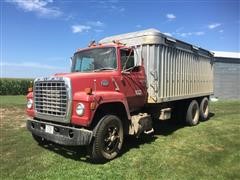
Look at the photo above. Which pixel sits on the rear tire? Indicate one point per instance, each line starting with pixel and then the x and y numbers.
pixel 204 109
pixel 108 139
pixel 192 116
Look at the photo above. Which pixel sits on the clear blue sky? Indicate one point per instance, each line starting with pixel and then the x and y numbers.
pixel 39 36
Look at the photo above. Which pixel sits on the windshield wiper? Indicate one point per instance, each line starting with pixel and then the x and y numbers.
pixel 103 69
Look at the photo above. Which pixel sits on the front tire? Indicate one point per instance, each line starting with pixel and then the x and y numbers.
pixel 192 116
pixel 108 139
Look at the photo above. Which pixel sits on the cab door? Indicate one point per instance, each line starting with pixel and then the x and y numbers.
pixel 133 80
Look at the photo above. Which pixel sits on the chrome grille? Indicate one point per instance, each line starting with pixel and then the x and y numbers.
pixel 51 99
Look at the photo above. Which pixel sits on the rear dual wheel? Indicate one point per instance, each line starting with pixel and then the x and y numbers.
pixel 196 112
pixel 192 116
pixel 204 109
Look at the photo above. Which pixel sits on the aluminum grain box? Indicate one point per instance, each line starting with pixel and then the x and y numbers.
pixel 175 69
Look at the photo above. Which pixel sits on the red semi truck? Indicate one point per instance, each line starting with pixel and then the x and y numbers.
pixel 118 87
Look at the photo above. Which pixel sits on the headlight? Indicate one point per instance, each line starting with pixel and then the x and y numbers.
pixel 80 109
pixel 29 103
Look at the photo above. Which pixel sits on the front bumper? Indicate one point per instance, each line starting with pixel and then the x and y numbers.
pixel 63 135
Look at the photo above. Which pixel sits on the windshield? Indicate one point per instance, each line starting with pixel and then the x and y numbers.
pixel 98 59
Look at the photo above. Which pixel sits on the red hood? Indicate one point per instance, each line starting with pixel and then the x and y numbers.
pixel 80 80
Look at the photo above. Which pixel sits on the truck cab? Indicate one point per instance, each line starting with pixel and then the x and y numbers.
pixel 91 105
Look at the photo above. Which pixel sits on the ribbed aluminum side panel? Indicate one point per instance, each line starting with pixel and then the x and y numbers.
pixel 174 74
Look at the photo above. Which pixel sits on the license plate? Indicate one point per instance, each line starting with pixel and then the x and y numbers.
pixel 49 129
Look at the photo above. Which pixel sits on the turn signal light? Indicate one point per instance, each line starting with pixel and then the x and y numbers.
pixel 93 106
pixel 88 91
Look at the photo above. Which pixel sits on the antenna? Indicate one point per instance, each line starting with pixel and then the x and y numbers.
pixel 92 43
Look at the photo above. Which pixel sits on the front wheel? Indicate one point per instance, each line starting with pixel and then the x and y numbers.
pixel 108 139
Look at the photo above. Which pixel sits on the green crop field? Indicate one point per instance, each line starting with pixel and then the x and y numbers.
pixel 14 86
pixel 210 150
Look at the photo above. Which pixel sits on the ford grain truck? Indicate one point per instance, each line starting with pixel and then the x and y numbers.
pixel 118 87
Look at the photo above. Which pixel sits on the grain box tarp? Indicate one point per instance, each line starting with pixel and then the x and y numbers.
pixel 175 70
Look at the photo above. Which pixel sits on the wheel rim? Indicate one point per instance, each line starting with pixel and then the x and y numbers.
pixel 111 139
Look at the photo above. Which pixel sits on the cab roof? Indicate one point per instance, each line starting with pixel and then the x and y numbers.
pixel 114 45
